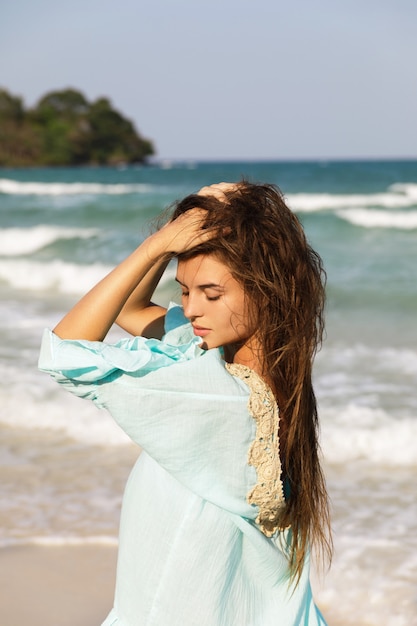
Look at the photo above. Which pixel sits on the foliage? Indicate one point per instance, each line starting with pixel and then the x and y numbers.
pixel 65 129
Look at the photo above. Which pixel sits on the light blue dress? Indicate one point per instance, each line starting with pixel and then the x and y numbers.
pixel 193 548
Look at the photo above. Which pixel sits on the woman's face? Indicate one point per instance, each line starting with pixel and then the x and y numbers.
pixel 213 301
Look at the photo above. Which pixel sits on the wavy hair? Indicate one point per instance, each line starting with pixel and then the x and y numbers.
pixel 264 246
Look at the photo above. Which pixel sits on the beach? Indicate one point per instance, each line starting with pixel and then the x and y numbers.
pixel 56 585
pixel 64 463
pixel 64 574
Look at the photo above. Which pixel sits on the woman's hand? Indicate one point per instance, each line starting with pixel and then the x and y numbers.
pixel 184 233
pixel 188 230
pixel 219 190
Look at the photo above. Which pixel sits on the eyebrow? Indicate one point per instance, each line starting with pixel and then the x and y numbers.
pixel 205 286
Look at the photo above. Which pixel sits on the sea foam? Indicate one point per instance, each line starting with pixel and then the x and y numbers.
pixel 399 196
pixel 45 406
pixel 14 187
pixel 374 218
pixel 408 189
pixel 358 433
pixel 56 275
pixel 63 277
pixel 18 241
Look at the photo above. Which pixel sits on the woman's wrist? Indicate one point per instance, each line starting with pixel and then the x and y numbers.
pixel 157 249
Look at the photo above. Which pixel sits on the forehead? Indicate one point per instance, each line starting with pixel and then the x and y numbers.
pixel 203 269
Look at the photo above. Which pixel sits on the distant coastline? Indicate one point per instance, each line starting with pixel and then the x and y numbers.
pixel 65 129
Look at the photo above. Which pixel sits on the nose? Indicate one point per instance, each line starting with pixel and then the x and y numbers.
pixel 191 306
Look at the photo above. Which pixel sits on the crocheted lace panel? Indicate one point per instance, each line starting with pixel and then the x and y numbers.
pixel 268 493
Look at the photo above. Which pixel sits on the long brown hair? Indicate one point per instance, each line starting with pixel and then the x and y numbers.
pixel 264 245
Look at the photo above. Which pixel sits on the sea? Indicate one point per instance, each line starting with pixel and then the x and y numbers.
pixel 64 463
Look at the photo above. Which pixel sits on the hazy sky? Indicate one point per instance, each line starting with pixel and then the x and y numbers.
pixel 257 79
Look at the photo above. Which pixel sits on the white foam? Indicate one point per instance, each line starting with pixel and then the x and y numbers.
pixel 373 574
pixel 358 433
pixel 69 278
pixel 374 218
pixel 368 584
pixel 367 403
pixel 46 406
pixel 396 363
pixel 14 187
pixel 408 189
pixel 17 241
pixel 311 202
pixel 56 275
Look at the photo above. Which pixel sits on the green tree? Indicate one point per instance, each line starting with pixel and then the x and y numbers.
pixel 20 144
pixel 11 108
pixel 55 116
pixel 68 104
pixel 113 138
pixel 65 129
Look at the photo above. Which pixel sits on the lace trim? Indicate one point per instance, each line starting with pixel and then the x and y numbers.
pixel 268 493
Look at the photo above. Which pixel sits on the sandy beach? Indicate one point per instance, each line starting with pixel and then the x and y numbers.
pixel 56 586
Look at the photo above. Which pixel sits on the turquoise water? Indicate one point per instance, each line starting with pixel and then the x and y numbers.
pixel 63 229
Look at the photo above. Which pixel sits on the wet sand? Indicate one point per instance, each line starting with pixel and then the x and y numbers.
pixel 56 586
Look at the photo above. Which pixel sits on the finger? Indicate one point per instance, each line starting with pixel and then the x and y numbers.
pixel 195 215
pixel 211 190
pixel 218 190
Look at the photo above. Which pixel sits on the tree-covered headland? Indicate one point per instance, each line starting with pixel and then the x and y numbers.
pixel 63 128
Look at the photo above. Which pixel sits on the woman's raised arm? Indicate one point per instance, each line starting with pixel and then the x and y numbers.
pixel 125 293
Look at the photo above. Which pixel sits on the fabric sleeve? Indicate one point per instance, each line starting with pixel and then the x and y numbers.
pixel 175 400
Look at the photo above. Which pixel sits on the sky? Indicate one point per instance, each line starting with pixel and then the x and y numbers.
pixel 229 79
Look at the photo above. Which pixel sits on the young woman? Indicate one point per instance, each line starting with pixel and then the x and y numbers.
pixel 227 496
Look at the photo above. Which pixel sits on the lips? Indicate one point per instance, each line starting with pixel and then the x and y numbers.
pixel 199 331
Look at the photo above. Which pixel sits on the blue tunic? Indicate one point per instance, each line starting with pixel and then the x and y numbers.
pixel 193 548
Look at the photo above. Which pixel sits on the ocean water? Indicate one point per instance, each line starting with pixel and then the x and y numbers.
pixel 63 463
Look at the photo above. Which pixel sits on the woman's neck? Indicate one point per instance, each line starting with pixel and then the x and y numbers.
pixel 247 354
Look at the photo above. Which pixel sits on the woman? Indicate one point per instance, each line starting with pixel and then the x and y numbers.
pixel 227 496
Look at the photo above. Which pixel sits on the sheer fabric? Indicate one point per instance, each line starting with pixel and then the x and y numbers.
pixel 193 545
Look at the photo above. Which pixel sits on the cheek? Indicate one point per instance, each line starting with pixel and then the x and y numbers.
pixel 238 322
pixel 241 318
